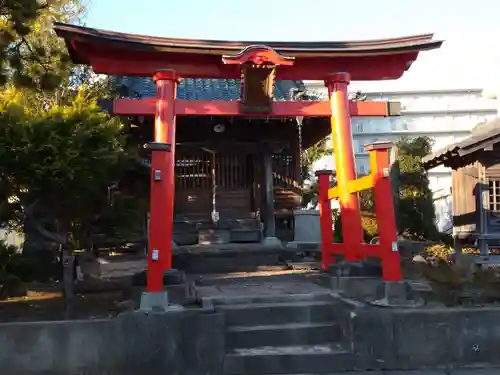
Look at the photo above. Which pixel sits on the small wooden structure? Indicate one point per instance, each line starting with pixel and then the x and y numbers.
pixel 475 187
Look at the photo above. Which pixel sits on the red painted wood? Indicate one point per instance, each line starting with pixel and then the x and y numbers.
pixel 325 218
pixel 162 191
pixel 165 74
pixel 135 107
pixel 384 209
pixel 145 107
pixel 188 65
pixel 258 55
pixel 352 231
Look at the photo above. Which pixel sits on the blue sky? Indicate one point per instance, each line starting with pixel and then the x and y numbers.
pixel 469 58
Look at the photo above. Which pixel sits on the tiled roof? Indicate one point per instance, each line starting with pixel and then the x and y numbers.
pixel 454 155
pixel 203 89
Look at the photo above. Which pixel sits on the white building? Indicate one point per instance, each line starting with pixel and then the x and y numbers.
pixel 445 115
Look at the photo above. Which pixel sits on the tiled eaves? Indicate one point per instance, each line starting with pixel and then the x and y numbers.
pixel 204 89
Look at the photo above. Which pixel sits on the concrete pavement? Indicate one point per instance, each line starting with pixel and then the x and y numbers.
pixel 485 371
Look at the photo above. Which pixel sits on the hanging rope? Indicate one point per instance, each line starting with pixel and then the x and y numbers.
pixel 299 120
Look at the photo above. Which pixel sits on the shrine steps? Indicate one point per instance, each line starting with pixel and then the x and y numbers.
pixel 290 334
pixel 228 258
pixel 191 231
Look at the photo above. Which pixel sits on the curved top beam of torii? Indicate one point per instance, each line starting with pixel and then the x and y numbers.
pixel 116 53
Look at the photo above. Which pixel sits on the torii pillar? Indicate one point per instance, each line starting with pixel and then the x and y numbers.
pixel 162 191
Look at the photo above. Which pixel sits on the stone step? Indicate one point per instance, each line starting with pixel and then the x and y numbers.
pixel 291 334
pixel 246 235
pixel 226 258
pixel 278 313
pixel 273 298
pixel 185 227
pixel 309 359
pixel 306 265
pixel 185 238
pixel 213 236
pixel 232 224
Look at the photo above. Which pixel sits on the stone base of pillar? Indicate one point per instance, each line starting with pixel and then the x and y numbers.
pixel 304 246
pixel 157 302
pixel 154 301
pixel 272 242
pixel 397 294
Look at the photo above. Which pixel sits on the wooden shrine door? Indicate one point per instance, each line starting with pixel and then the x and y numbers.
pixel 213 181
pixel 193 185
pixel 233 182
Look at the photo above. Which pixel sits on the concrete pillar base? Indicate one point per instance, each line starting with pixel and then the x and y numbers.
pixel 154 301
pixel 397 294
pixel 303 245
pixel 272 242
pixel 355 269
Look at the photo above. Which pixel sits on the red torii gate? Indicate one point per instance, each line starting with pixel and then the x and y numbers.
pixel 258 65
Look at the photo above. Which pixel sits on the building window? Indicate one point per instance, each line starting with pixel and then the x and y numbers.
pixel 399 125
pixel 394 125
pixel 494 196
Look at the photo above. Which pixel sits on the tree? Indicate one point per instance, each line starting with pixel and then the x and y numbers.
pixel 310 156
pixel 30 54
pixel 58 161
pixel 58 164
pixel 61 156
pixel 39 76
pixel 416 207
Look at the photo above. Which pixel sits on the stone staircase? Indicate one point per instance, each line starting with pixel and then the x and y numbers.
pixel 285 334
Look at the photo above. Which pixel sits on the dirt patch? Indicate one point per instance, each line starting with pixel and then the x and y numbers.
pixel 103 290
pixel 48 304
pixel 455 281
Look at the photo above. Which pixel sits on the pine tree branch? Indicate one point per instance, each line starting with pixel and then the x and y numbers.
pixel 33 55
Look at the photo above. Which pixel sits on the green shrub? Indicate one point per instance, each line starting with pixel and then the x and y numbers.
pixel 439 251
pixel 11 286
pixel 37 266
pixel 24 267
pixel 368 222
pixel 6 254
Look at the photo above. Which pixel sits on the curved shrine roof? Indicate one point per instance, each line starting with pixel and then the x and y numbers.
pixel 133 54
pixel 217 47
